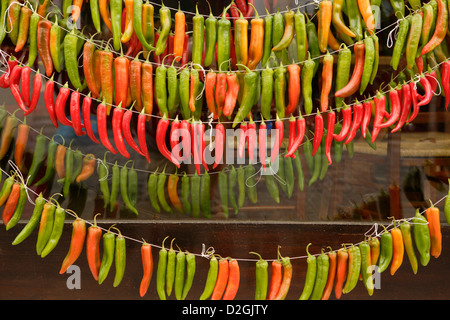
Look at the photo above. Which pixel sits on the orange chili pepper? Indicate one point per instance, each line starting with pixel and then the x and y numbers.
pixel 366 12
pixel 222 279
pixel 147 87
pixel 97 69
pixel 172 188
pixel 59 161
pixel 294 88
pixel 88 167
pixel 332 255
pixel 180 30
pixel 104 13
pixel 11 203
pixel 233 280
pixel 220 93
pixel 23 131
pixel 192 93
pixel 93 248
pixel 43 8
pixel 76 244
pixel 341 271
pixel 89 64
pixel 434 225
pixel 147 266
pixel 323 30
pixel 327 81
pixel 210 84
pixel 232 94
pixel 122 77
pixel 76 9
pixel 275 280
pixel 128 30
pixel 332 41
pixel 106 71
pixel 256 49
pixel 398 249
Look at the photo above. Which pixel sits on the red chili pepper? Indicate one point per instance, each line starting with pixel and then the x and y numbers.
pixel 195 146
pixel 185 133
pixel 232 94
pixel 251 140
pixel 279 132
pixel 15 88
pixel 234 277
pixel 126 130
pixel 292 131
pixel 396 107
pixel 49 101
pixel 358 112
pixel 60 106
pixel 414 102
pixel 446 82
pixel 330 134
pixel 175 138
pixel 102 126
pixel 428 91
pixel 161 131
pixel 346 123
pixel 406 107
pixel 75 114
pixel 262 142
pixel 432 78
pixel 419 63
pixel 141 134
pixel 210 84
pixel 294 88
pixel 219 144
pixel 242 139
pixel 380 109
pixel 43 41
pixel 201 133
pixel 300 129
pixel 366 117
pixel 36 93
pixel 86 109
pixel 25 85
pixel 242 6
pixel 250 9
pixel 318 132
pixel 117 131
pixel 6 77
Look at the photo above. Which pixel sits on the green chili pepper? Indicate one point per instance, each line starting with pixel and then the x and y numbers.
pixel 185 200
pixel 354 269
pixel 198 29
pixel 67 180
pixel 280 90
pixel 344 63
pixel 366 267
pixel 369 59
pixel 109 244
pixel 267 83
pixel 405 228
pixel 376 62
pixel 232 182
pixel 223 40
pixel 400 42
pixel 211 278
pixel 313 43
pixel 281 174
pixel 338 145
pixel 152 185
pixel 211 38
pixel 173 97
pixel 412 43
pixel 306 84
pixel 124 189
pixel 299 169
pixel 317 166
pixel 33 51
pixel 57 230
pixel 4 6
pixel 272 187
pixel 66 8
pixel 120 259
pixel 161 191
pixel 161 272
pixel 241 185
pixel 399 7
pixel 103 172
pixel 249 91
pixel 250 183
pixel 268 33
pixel 354 18
pixel 166 24
pixel 12 27
pixel 170 269
pixel 147 43
pixel 132 187
pixel 223 191
pixel 45 227
pixel 50 166
pixel 33 222
pixel 55 48
pixel 71 42
pixel 95 15
pixel 190 273
pixel 6 189
pixel 198 96
pixel 77 165
pixel 161 89
pixel 428 15
pixel 310 275
pixel 19 208
pixel 261 277
pixel 115 9
pixel 323 265
pixel 39 155
pixel 195 195
pixel 180 269
pixel 115 186
pixel 386 251
pixel 184 93
pixel 300 34
pixel 307 152
pixel 277 35
pixel 205 198
pixel 422 237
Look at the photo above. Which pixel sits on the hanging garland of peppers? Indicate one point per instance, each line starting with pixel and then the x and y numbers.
pixel 179 88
